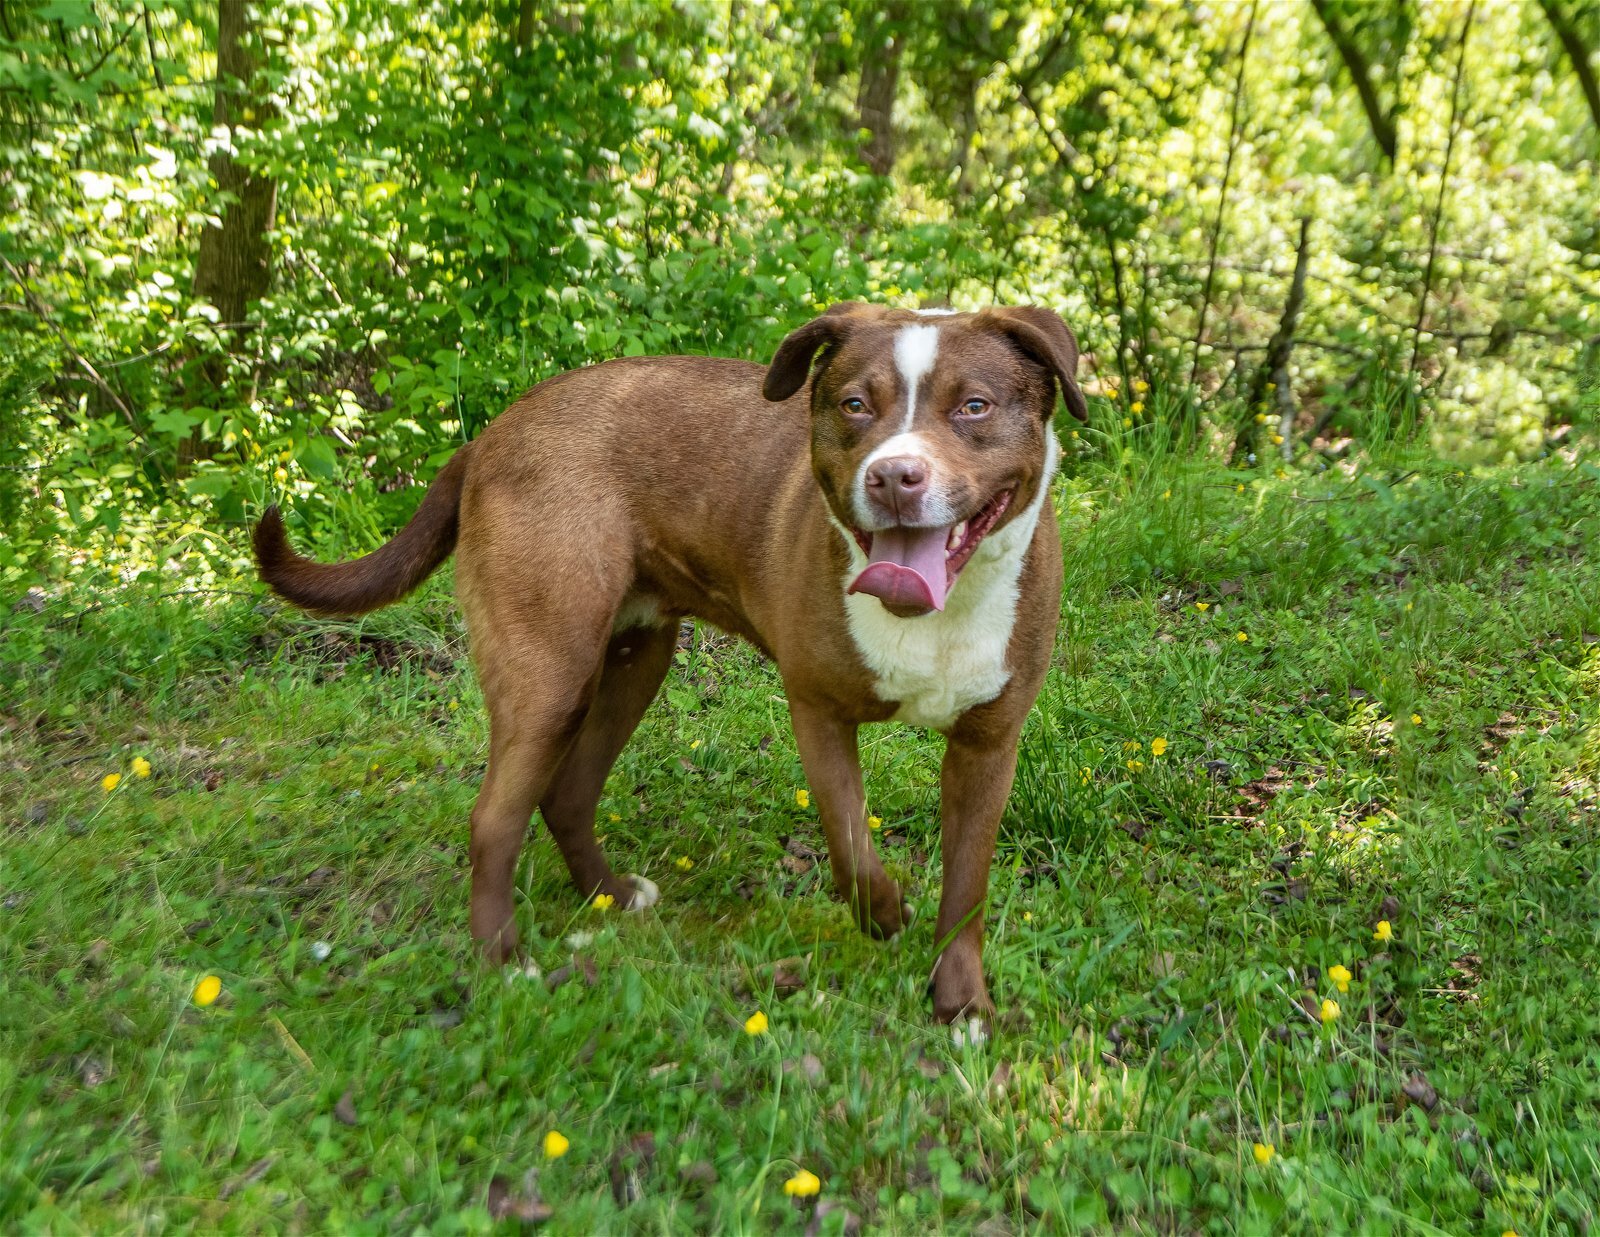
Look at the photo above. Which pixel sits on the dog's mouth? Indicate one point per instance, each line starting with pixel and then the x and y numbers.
pixel 911 570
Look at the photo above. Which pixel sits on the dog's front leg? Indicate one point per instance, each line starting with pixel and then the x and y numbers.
pixel 833 768
pixel 974 783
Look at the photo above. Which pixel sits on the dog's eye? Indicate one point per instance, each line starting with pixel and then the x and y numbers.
pixel 973 407
pixel 854 407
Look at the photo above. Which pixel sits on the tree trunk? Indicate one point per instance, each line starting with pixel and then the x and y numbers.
pixel 1380 122
pixel 880 78
pixel 235 260
pixel 1577 53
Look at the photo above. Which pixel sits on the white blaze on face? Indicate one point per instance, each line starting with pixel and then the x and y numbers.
pixel 916 349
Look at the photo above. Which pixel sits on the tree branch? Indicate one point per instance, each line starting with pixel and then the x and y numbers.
pixel 1577 53
pixel 1355 60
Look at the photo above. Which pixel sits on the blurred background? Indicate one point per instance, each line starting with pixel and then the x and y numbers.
pixel 304 250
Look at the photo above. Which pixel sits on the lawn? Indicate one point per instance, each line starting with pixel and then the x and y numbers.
pixel 1286 712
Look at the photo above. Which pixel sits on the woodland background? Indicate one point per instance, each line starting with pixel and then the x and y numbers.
pixel 302 250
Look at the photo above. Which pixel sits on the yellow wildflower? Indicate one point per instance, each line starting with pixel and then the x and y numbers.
pixel 1027 916
pixel 1127 423
pixel 802 1185
pixel 604 901
pixel 1242 638
pixel 684 863
pixel 1261 418
pixel 1383 932
pixel 1416 719
pixel 556 1145
pixel 1202 606
pixel 1135 765
pixel 1340 976
pixel 1277 440
pixel 1329 1012
pixel 1263 1152
pixel 110 782
pixel 1158 747
pixel 141 767
pixel 756 1024
pixel 1166 494
pixel 802 798
pixel 614 817
pixel 874 822
pixel 1136 407
pixel 207 991
pixel 280 476
pixel 694 745
pixel 1239 489
pixel 1408 607
pixel 1133 745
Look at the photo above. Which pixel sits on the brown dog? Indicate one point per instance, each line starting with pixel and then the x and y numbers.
pixel 883 533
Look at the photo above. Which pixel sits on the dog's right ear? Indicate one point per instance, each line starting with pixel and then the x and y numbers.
pixel 791 365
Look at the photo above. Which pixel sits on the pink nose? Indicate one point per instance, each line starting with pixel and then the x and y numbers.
pixel 897 482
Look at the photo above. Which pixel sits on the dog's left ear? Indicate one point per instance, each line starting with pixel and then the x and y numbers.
pixel 1047 339
pixel 791 365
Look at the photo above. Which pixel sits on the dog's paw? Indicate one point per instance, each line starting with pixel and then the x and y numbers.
pixel 974 1031
pixel 646 893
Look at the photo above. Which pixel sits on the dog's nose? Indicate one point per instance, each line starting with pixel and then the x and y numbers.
pixel 894 481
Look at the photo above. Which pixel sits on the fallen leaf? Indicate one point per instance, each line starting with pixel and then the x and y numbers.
pixel 809 1066
pixel 505 1204
pixel 849 1226
pixel 701 1173
pixel 345 1110
pixel 251 1175
pixel 1420 1091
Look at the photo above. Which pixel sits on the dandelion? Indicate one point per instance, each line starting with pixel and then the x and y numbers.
pixel 110 782
pixel 1239 489
pixel 453 705
pixel 1158 747
pixel 1340 976
pixel 1263 1152
pixel 556 1145
pixel 1277 440
pixel 1329 1012
pixel 684 863
pixel 694 745
pixel 1027 916
pixel 604 901
pixel 1416 719
pixel 1166 495
pixel 1242 638
pixel 285 456
pixel 1202 606
pixel 802 1185
pixel 1409 607
pixel 206 991
pixel 1140 386
pixel 1136 407
pixel 280 475
pixel 1135 765
pixel 1383 932
pixel 756 1024
pixel 141 767
pixel 802 798
pixel 874 822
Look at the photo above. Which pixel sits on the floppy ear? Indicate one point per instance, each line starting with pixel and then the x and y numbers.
pixel 791 365
pixel 1046 338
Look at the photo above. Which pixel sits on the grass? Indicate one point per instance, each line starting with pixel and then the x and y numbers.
pixel 1410 732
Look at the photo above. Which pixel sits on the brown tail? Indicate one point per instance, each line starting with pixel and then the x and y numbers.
pixel 387 574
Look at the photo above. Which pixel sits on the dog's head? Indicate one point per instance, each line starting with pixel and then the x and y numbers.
pixel 929 431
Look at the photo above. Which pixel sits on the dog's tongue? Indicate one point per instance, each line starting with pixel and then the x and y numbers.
pixel 906 568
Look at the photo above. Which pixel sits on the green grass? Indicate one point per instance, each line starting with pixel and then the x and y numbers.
pixel 1159 936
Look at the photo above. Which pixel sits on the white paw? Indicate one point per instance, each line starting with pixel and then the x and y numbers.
pixel 527 971
pixel 647 893
pixel 974 1033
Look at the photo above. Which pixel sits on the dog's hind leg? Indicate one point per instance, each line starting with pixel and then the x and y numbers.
pixel 636 662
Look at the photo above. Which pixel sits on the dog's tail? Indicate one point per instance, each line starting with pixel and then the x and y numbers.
pixel 387 574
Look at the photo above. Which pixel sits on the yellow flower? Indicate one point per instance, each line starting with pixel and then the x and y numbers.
pixel 1133 745
pixel 453 705
pixel 1239 489
pixel 874 822
pixel 1140 385
pixel 1135 765
pixel 614 817
pixel 280 476
pixel 694 745
pixel 207 991
pixel 1027 916
pixel 141 767
pixel 1277 440
pixel 1242 638
pixel 1263 1152
pixel 802 798
pixel 555 1145
pixel 1074 433
pixel 1202 606
pixel 1408 607
pixel 1340 976
pixel 604 901
pixel 756 1024
pixel 1158 747
pixel 1085 775
pixel 110 782
pixel 684 863
pixel 1416 719
pixel 802 1185
pixel 1383 932
pixel 1127 423
pixel 1166 494
pixel 1261 418
pixel 285 456
pixel 1510 1232
pixel 1329 1012
pixel 1136 407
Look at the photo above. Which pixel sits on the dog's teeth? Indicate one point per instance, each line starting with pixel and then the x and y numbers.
pixel 958 534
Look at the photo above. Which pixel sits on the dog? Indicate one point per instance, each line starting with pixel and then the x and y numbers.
pixel 871 511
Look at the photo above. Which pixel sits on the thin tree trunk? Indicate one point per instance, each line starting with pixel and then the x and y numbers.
pixel 1222 198
pixel 1274 368
pixel 880 79
pixel 234 265
pixel 1444 180
pixel 1577 53
pixel 1355 60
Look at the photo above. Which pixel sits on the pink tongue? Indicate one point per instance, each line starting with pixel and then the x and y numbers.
pixel 906 568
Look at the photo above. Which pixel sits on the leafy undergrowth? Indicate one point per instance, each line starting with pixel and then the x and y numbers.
pixel 1284 716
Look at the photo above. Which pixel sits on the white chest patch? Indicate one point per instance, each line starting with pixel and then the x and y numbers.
pixel 942 664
